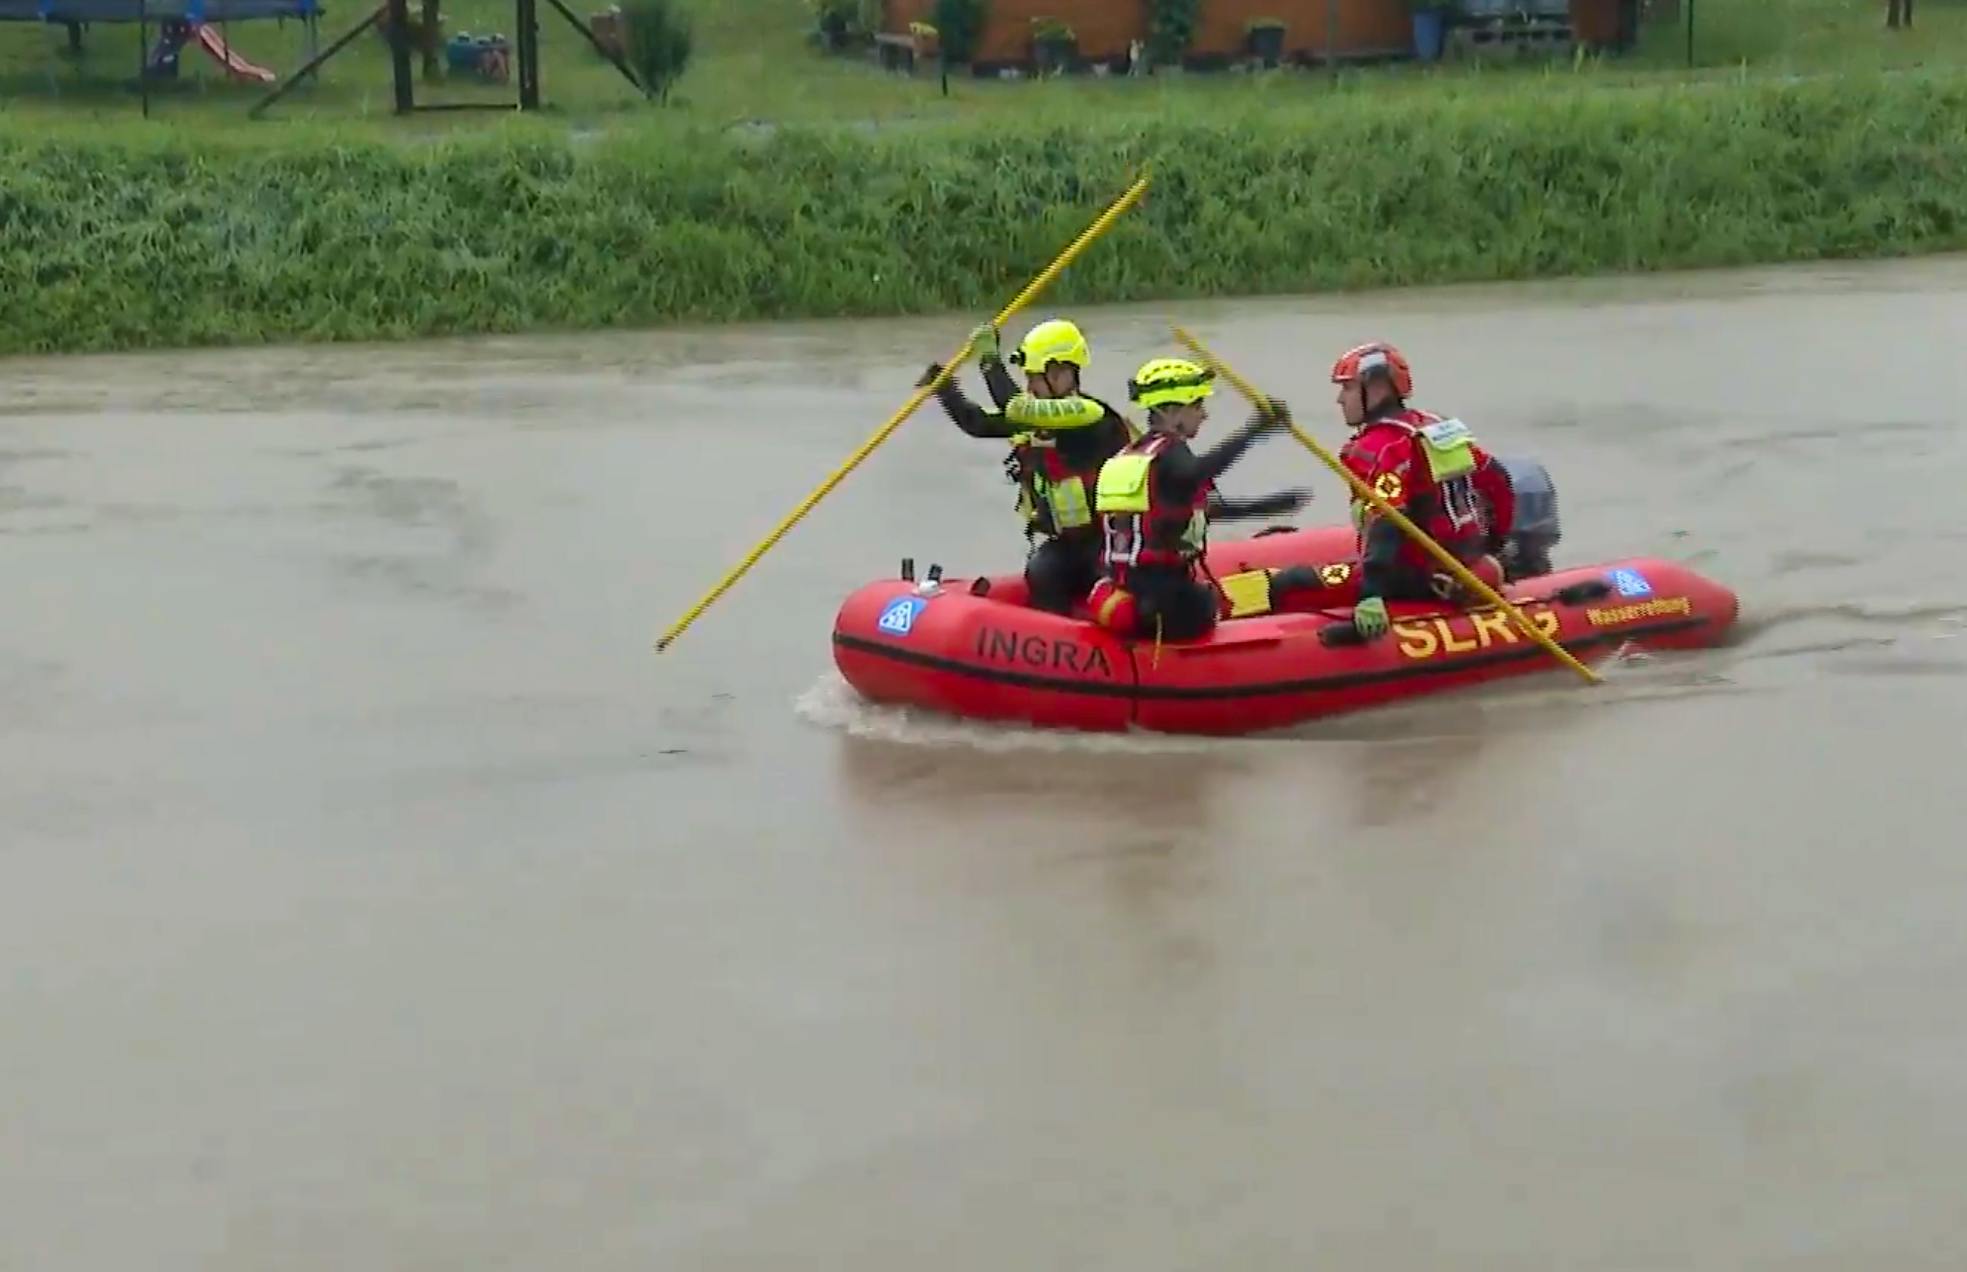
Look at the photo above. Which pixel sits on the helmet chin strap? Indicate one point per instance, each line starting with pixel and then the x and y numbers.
pixel 1051 385
pixel 1368 414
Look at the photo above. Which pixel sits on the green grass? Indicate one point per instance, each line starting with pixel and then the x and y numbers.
pixel 872 193
pixel 141 237
pixel 1810 36
pixel 755 63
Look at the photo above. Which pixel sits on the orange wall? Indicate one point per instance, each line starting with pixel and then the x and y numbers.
pixel 1361 25
pixel 1595 21
pixel 1105 26
pixel 899 13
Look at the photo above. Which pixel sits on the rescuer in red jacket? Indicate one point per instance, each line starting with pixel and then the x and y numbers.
pixel 1431 470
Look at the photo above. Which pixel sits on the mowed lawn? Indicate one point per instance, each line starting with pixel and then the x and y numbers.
pixel 755 62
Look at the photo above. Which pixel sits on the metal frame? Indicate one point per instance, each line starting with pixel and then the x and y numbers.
pixel 397 13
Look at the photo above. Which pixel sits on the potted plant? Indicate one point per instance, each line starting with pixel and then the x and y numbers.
pixel 1264 38
pixel 1430 27
pixel 1054 44
pixel 836 18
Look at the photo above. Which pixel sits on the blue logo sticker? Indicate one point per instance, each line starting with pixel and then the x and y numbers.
pixel 1631 583
pixel 899 617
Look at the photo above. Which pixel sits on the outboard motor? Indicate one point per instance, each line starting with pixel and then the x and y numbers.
pixel 1527 554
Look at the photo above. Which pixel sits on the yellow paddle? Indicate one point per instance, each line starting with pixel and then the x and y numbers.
pixel 921 393
pixel 1393 514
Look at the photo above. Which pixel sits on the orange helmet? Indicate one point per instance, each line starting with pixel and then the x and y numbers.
pixel 1375 358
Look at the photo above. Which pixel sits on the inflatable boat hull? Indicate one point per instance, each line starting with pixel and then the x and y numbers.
pixel 973 649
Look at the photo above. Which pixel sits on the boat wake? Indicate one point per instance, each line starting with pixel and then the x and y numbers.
pixel 1909 616
pixel 1853 637
pixel 831 703
pixel 1631 676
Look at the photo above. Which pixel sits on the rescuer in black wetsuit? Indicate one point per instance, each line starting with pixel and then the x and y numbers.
pixel 1156 499
pixel 1059 437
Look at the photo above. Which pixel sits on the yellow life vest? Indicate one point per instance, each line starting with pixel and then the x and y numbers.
pixel 1062 493
pixel 1124 499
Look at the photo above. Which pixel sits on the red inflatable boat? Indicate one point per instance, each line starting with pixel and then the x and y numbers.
pixel 972 648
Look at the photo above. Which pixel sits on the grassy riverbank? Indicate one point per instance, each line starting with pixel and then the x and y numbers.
pixel 135 239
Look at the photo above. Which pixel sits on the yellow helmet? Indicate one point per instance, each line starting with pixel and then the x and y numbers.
pixel 1170 382
pixel 1053 341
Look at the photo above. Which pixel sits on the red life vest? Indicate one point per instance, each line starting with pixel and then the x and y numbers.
pixel 1390 455
pixel 1141 527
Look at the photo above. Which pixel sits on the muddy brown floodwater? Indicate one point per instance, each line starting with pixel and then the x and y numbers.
pixel 373 896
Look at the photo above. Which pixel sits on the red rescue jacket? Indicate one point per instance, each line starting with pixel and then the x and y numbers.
pixel 1469 514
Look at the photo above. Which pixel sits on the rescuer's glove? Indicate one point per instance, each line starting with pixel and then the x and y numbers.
pixel 1369 617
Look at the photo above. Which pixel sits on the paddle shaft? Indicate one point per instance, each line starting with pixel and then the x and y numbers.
pixel 916 399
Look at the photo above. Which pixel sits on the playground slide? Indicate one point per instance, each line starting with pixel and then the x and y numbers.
pixel 235 66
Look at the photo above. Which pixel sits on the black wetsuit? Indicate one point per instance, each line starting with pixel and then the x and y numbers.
pixel 1062 568
pixel 1185 604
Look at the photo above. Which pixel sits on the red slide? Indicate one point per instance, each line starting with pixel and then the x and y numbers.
pixel 235 66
